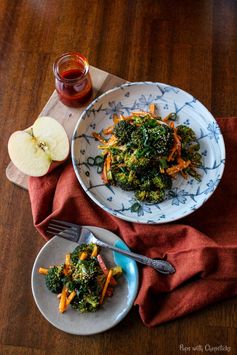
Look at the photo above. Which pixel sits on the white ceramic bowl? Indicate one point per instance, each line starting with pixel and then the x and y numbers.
pixel 186 195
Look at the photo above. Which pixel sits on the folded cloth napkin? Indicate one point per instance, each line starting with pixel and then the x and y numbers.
pixel 202 246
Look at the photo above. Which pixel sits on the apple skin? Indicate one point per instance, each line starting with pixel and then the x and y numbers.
pixel 55 164
pixel 39 149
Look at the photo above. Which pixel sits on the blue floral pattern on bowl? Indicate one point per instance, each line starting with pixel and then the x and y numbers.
pixel 186 195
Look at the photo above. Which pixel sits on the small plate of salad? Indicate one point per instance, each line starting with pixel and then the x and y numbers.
pixel 83 289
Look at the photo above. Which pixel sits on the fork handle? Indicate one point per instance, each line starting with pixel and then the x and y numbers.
pixel 161 266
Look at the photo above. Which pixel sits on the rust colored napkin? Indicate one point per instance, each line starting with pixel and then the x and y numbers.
pixel 202 246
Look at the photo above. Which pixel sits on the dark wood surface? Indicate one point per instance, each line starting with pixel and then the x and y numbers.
pixel 190 44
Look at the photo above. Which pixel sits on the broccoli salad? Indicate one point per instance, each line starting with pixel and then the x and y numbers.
pixel 144 153
pixel 83 280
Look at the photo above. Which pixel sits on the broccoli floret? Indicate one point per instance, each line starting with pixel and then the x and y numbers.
pixel 161 138
pixel 152 140
pixel 186 134
pixel 123 130
pixel 86 303
pixel 69 283
pixel 162 162
pixel 92 302
pixel 87 296
pixel 196 161
pixel 137 138
pixel 121 180
pixel 192 172
pixel 75 255
pixel 150 196
pixel 126 180
pixel 146 185
pixel 162 181
pixel 54 279
pixel 85 270
pixel 140 120
pixel 117 155
pixel 190 150
pixel 134 161
pixel 192 153
pixel 153 180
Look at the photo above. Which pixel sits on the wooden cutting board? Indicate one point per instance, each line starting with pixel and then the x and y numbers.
pixel 67 116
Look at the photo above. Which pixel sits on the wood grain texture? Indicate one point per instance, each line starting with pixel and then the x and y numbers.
pixel 189 44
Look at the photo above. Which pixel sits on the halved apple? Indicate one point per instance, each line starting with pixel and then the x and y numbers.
pixel 40 148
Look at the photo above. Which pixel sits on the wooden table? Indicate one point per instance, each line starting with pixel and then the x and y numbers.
pixel 189 44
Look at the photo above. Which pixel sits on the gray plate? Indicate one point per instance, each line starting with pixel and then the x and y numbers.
pixel 113 310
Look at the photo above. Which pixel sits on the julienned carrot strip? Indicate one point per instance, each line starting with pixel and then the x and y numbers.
pixel 106 168
pixel 104 173
pixel 128 118
pixel 165 119
pixel 152 109
pixel 142 113
pixel 43 271
pixel 173 150
pixel 182 164
pixel 110 273
pixel 111 141
pixel 99 137
pixel 94 251
pixel 67 259
pixel 70 297
pixel 62 303
pixel 171 124
pixel 116 119
pixel 83 255
pixel 103 267
pixel 177 146
pixel 108 130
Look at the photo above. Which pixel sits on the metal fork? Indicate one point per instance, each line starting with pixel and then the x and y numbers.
pixel 80 235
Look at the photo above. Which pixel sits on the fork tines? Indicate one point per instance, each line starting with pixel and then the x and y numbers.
pixel 63 223
pixel 66 230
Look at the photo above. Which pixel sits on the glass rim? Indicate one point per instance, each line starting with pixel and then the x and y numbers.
pixel 60 59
